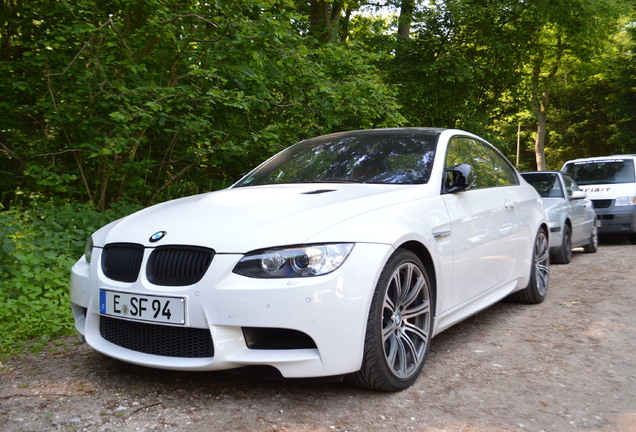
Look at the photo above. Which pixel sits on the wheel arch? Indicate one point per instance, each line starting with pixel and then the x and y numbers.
pixel 546 228
pixel 425 256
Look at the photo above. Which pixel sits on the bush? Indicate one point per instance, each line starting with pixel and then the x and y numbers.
pixel 38 246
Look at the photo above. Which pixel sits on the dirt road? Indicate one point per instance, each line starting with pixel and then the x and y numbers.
pixel 568 364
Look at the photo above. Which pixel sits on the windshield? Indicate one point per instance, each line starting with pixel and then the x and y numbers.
pixel 387 157
pixel 601 171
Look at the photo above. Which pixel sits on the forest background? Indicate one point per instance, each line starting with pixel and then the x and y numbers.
pixel 109 106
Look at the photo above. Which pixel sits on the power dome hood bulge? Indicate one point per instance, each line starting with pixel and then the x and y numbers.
pixel 242 219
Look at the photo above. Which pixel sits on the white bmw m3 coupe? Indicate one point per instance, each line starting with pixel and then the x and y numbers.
pixel 341 256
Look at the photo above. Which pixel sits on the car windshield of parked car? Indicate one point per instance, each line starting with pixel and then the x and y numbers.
pixel 546 184
pixel 387 157
pixel 601 171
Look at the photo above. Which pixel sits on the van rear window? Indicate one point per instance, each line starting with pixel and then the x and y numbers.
pixel 607 171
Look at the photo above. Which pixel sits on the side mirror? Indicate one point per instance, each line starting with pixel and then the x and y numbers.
pixel 577 195
pixel 458 178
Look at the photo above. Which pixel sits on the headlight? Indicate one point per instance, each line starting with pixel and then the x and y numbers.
pixel 88 249
pixel 625 201
pixel 301 261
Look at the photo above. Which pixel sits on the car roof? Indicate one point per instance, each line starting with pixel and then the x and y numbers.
pixel 416 130
pixel 543 172
pixel 619 156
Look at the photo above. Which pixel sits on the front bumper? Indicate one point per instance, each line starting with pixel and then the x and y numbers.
pixel 617 220
pixel 329 310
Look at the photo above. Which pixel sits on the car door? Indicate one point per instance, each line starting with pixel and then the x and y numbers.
pixel 578 210
pixel 483 218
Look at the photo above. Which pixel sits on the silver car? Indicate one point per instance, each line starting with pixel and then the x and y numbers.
pixel 573 222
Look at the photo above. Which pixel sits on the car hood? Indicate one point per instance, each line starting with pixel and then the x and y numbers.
pixel 243 219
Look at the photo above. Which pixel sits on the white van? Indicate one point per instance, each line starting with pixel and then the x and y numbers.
pixel 610 182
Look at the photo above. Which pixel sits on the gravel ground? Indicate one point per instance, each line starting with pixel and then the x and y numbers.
pixel 567 364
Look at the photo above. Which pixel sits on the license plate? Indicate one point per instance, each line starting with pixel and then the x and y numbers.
pixel 161 309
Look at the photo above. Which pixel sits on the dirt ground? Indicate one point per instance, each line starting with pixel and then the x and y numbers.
pixel 567 364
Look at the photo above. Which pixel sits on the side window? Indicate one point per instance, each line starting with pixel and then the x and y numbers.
pixel 490 168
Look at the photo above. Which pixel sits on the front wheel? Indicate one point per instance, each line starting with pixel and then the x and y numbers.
pixel 399 326
pixel 592 246
pixel 564 254
pixel 537 288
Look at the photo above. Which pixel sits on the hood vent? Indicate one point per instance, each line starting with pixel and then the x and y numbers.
pixel 318 191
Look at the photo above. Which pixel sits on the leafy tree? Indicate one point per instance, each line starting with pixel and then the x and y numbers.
pixel 158 99
pixel 459 59
pixel 584 116
pixel 620 103
pixel 478 64
pixel 565 32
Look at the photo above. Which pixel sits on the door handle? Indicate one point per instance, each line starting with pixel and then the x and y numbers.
pixel 509 205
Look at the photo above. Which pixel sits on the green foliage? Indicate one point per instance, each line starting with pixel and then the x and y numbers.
pixel 38 246
pixel 620 101
pixel 154 100
pixel 142 99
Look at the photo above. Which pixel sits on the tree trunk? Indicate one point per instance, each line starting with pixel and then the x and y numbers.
pixel 539 107
pixel 344 25
pixel 324 19
pixel 540 100
pixel 7 9
pixel 539 144
pixel 406 18
pixel 315 18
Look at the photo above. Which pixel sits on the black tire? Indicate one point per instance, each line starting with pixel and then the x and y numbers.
pixel 537 288
pixel 399 326
pixel 592 246
pixel 564 254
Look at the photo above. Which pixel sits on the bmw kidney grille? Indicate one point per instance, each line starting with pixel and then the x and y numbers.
pixel 167 265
